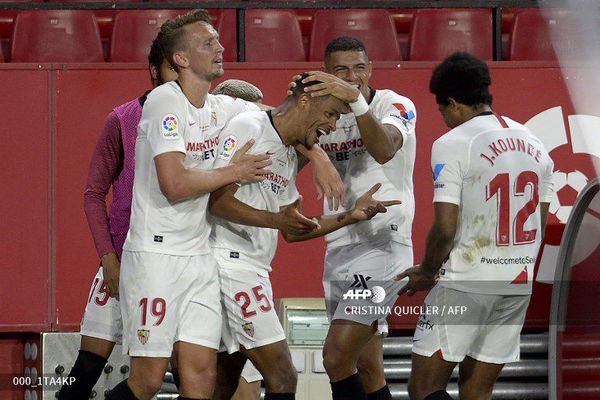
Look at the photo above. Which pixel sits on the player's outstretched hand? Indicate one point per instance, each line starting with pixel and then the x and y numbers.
pixel 250 168
pixel 367 207
pixel 418 279
pixel 291 221
pixel 331 85
pixel 328 182
pixel 110 270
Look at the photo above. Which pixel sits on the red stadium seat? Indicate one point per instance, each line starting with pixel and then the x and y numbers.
pixel 538 35
pixel 402 18
pixel 105 18
pixel 56 36
pixel 1 54
pixel 225 21
pixel 134 31
pixel 373 27
pixel 437 33
pixel 273 35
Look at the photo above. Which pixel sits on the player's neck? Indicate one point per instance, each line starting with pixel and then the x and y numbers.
pixel 194 88
pixel 472 112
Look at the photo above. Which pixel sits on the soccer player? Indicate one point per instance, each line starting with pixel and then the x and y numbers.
pixel 245 252
pixel 111 165
pixel 492 188
pixel 169 288
pixel 376 143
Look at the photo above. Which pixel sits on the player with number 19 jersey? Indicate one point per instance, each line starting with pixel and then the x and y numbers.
pixel 169 278
pixel 497 172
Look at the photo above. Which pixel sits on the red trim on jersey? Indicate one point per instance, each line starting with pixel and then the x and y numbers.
pixel 521 278
pixel 501 120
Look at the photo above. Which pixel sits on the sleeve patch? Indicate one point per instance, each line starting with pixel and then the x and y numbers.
pixel 406 115
pixel 170 127
pixel 437 171
pixel 229 145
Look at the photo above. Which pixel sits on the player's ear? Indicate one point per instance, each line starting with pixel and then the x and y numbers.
pixel 453 104
pixel 180 58
pixel 153 73
pixel 369 69
pixel 304 100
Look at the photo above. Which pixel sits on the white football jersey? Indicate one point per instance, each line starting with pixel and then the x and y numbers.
pixel 250 247
pixel 171 123
pixel 360 172
pixel 497 172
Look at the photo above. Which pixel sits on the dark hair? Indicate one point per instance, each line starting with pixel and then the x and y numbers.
pixel 298 90
pixel 155 59
pixel 344 43
pixel 172 33
pixel 463 77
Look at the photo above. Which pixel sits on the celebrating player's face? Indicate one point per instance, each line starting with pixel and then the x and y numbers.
pixel 351 66
pixel 322 116
pixel 205 53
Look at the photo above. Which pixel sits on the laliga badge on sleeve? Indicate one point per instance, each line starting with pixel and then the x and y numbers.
pixel 229 145
pixel 169 127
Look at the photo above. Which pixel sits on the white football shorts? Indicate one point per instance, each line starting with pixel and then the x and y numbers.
pixel 102 315
pixel 250 373
pixel 167 298
pixel 358 283
pixel 249 315
pixel 456 324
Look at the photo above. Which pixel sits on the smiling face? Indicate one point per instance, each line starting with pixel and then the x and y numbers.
pixel 351 66
pixel 203 54
pixel 319 117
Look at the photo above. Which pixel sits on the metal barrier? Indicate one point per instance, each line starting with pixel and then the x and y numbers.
pixel 526 379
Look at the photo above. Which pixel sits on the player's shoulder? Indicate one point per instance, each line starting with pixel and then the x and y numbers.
pixel 388 96
pixel 517 125
pixel 249 122
pixel 165 95
pixel 222 100
pixel 252 117
pixel 459 134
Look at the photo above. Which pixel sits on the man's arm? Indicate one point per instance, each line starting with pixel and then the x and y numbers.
pixel 224 204
pixel 439 244
pixel 366 207
pixel 326 178
pixel 178 182
pixel 381 140
pixel 105 165
pixel 441 237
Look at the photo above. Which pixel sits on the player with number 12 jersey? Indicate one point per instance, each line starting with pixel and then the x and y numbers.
pixel 498 172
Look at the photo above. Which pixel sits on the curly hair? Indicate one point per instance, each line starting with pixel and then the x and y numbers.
pixel 463 77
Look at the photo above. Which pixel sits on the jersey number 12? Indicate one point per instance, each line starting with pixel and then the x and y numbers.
pixel 500 187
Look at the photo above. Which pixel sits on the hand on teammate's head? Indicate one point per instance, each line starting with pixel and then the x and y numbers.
pixel 292 84
pixel 327 84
